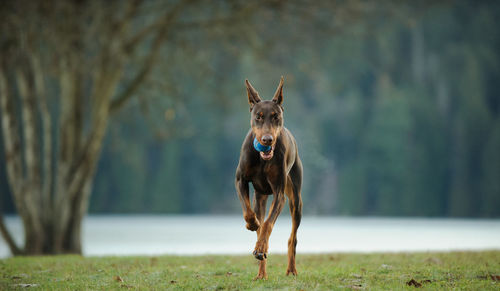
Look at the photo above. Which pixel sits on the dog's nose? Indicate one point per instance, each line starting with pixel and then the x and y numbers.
pixel 267 139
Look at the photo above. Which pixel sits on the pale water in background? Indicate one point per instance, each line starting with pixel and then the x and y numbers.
pixel 194 235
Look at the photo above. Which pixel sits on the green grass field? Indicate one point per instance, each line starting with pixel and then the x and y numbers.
pixel 384 271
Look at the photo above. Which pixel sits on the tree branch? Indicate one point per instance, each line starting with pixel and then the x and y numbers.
pixel 31 137
pixel 106 82
pixel 66 141
pixel 47 176
pixel 162 25
pixel 209 23
pixel 12 143
pixel 129 15
pixel 136 39
pixel 235 17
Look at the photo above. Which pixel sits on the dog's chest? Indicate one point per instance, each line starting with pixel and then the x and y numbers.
pixel 265 178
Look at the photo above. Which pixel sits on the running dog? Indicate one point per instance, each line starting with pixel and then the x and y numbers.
pixel 269 160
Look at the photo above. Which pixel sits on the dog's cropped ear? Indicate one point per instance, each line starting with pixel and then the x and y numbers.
pixel 278 96
pixel 253 95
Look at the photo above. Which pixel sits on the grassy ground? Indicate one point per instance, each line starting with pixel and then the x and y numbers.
pixel 457 270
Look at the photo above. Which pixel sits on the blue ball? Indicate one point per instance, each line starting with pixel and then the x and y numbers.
pixel 259 147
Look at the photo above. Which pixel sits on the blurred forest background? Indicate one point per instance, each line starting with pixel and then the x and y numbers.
pixel 394 105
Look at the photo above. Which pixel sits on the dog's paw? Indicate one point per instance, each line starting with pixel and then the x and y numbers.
pixel 260 251
pixel 292 271
pixel 253 226
pixel 260 277
pixel 252 223
pixel 260 256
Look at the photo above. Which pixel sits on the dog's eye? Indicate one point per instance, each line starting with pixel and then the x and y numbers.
pixel 258 117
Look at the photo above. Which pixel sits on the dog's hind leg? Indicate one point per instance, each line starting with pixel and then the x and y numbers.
pixel 296 213
pixel 292 190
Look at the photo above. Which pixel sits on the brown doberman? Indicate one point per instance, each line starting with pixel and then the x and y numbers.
pixel 270 161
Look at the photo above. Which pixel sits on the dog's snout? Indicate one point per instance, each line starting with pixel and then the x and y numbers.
pixel 267 139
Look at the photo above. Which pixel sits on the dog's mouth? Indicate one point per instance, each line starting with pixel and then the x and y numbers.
pixel 267 155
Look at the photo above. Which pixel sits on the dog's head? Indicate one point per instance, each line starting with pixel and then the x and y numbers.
pixel 266 119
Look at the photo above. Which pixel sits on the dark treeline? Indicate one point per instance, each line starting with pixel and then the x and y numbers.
pixel 395 108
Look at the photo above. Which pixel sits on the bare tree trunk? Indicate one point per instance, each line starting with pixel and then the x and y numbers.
pixel 50 172
pixel 76 163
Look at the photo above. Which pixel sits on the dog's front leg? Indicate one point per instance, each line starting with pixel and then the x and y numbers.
pixel 243 193
pixel 264 232
pixel 262 244
pixel 277 182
